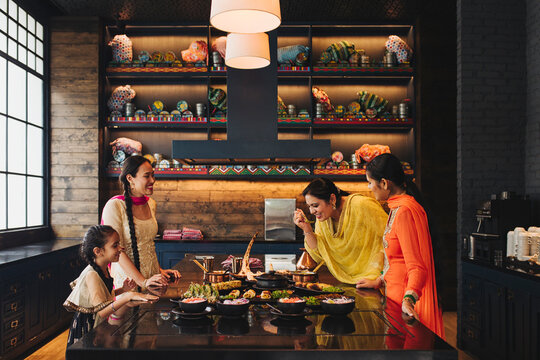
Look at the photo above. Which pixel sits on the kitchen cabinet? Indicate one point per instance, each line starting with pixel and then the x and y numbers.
pixel 499 313
pixel 33 291
pixel 191 83
pixel 171 252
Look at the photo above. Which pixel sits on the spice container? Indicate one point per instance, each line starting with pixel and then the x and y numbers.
pixel 291 110
pixel 130 109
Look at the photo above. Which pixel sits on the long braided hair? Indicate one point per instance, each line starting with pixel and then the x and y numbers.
pixel 130 167
pixel 96 236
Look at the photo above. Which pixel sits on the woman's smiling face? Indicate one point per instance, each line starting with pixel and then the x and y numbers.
pixel 143 182
pixel 318 207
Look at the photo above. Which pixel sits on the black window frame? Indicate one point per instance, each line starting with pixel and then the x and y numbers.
pixel 31 234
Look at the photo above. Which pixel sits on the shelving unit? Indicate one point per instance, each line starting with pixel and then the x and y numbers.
pixel 191 83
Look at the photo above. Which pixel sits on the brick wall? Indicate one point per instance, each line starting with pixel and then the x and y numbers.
pixel 74 125
pixel 490 102
pixel 532 144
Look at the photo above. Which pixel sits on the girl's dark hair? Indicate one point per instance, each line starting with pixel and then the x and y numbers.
pixel 130 167
pixel 387 166
pixel 322 188
pixel 96 236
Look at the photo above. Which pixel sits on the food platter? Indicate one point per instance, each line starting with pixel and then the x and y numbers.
pixel 317 292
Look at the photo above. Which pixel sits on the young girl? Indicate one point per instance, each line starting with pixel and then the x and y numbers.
pixel 93 297
pixel 410 275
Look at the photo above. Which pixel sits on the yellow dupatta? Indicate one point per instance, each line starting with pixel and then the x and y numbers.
pixel 355 250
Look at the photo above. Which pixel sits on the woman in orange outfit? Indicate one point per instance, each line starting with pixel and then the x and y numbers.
pixel 409 273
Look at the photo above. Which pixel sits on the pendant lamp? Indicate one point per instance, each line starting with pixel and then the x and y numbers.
pixel 247 51
pixel 245 16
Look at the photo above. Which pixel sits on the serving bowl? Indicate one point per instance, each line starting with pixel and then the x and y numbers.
pixel 338 306
pixel 287 306
pixel 232 309
pixel 193 305
pixel 271 281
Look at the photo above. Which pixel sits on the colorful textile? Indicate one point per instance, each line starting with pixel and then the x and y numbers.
pixel 197 51
pixel 218 98
pixel 368 152
pixel 338 51
pixel 322 98
pixel 220 45
pixel 121 48
pixel 119 97
pixel 288 54
pixel 127 145
pixel 354 250
pixel 409 252
pixel 396 45
pixel 371 101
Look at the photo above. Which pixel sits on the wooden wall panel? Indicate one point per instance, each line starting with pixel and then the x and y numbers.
pixel 74 110
pixel 232 209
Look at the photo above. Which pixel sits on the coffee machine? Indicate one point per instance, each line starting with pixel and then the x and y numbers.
pixel 495 218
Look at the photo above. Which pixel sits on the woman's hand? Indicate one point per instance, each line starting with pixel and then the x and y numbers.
pixel 407 306
pixel 366 283
pixel 128 285
pixel 299 219
pixel 156 280
pixel 170 274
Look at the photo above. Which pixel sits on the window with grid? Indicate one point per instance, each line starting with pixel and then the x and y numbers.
pixel 22 124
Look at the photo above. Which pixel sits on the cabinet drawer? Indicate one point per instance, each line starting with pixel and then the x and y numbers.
pixel 472 318
pixel 471 335
pixel 12 324
pixel 12 289
pixel 11 307
pixel 471 285
pixel 11 342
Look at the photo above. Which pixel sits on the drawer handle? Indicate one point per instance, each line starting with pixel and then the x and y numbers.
pixel 470 334
pixel 41 276
pixel 13 306
pixel 13 341
pixel 13 289
pixel 510 295
pixel 472 317
pixel 14 324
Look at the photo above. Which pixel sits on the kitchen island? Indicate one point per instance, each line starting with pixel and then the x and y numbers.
pixel 153 331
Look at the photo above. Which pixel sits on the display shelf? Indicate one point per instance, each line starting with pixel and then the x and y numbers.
pixel 366 71
pixel 157 122
pixel 363 122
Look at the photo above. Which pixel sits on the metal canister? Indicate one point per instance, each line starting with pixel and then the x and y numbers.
pixel 130 109
pixel 318 110
pixel 237 264
pixel 354 162
pixel 291 110
pixel 199 108
pixel 403 110
pixel 389 59
pixel 158 158
pixel 217 60
pixel 364 60
pixel 395 111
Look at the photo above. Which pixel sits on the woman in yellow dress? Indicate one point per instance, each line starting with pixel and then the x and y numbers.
pixel 348 232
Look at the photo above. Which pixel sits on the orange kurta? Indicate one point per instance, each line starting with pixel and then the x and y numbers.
pixel 410 258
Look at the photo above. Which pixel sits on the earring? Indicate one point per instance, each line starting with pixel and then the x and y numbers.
pixel 334 206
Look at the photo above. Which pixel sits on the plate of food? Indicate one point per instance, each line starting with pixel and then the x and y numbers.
pixel 318 288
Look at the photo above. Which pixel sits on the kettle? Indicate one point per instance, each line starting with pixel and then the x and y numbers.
pixel 305 262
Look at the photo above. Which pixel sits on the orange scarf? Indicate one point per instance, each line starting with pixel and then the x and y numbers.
pixel 427 305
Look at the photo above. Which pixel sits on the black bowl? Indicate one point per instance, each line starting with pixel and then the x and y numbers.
pixel 231 309
pixel 338 325
pixel 337 309
pixel 233 326
pixel 291 308
pixel 195 307
pixel 271 281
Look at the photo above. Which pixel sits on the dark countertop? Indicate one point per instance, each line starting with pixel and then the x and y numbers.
pixel 19 253
pixel 153 331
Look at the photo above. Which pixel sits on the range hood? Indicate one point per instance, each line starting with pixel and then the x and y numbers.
pixel 252 127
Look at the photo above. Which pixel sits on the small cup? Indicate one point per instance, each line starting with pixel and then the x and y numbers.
pixel 236 264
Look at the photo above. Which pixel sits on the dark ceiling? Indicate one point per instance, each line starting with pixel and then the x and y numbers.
pixel 197 11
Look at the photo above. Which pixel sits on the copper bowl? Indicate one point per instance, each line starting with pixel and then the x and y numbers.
pixel 216 276
pixel 304 276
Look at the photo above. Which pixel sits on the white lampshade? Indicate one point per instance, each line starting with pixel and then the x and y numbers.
pixel 247 51
pixel 245 16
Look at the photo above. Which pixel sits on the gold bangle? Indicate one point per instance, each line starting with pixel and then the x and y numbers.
pixel 113 309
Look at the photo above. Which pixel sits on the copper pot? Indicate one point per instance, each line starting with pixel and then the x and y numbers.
pixel 216 276
pixel 304 276
pixel 305 262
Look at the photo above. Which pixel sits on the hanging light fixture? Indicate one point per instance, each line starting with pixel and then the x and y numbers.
pixel 245 16
pixel 247 51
